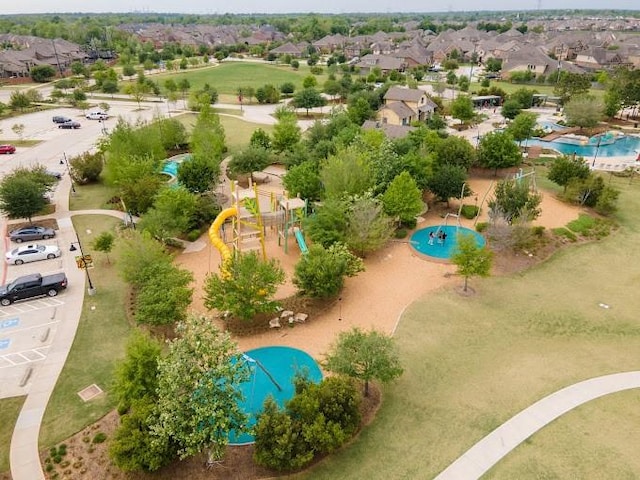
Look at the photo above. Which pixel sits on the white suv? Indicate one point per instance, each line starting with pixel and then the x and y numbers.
pixel 97 115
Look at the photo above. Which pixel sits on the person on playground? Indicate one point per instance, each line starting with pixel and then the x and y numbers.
pixel 444 237
pixel 441 237
pixel 431 237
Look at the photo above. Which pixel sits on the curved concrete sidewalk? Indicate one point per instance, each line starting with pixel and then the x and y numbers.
pixel 490 450
pixel 24 450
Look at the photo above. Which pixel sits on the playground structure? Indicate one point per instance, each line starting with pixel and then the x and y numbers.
pixel 251 212
pixel 293 211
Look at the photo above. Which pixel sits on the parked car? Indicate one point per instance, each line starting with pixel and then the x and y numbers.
pixel 61 119
pixel 70 124
pixel 7 149
pixel 99 115
pixel 34 285
pixel 31 253
pixel 34 232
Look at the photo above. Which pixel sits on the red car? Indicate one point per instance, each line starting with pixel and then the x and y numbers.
pixel 7 149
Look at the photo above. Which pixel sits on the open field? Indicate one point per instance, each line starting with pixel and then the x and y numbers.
pixel 227 77
pixel 473 362
pixel 99 343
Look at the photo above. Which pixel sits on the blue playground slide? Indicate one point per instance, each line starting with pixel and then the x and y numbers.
pixel 300 238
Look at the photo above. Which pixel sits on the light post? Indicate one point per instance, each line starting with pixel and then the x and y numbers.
pixel 83 261
pixel 593 164
pixel 66 162
pixel 340 308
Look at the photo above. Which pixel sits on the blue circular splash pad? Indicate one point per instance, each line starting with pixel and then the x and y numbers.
pixel 272 367
pixel 433 247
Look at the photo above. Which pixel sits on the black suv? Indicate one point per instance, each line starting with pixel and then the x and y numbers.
pixel 61 119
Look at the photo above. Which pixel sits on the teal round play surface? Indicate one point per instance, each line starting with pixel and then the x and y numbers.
pixel 273 370
pixel 435 246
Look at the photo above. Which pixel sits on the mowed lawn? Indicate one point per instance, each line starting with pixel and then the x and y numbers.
pixel 99 343
pixel 228 77
pixel 473 362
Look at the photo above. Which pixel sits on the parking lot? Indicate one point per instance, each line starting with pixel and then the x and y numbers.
pixel 27 328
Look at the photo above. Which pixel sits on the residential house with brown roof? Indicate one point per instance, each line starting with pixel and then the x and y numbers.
pixel 385 63
pixel 598 58
pixel 403 106
pixel 288 49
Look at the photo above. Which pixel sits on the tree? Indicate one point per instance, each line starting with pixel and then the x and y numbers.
pixel 359 110
pixel 198 398
pixel 455 150
pixel 462 109
pixel 42 73
pixel 584 111
pixel 287 88
pixel 286 133
pixel 368 227
pixel 321 272
pixel 307 99
pixel 328 224
pixel 463 83
pixel 267 94
pixel 248 288
pixel 471 259
pixel 514 200
pixel 365 356
pixel 448 181
pixel 184 85
pixel 498 150
pixel 252 159
pixel 199 175
pixel 86 167
pixel 403 199
pixel 309 81
pixel 493 64
pixel 571 84
pixel 164 297
pixel 612 103
pixel 260 138
pixel 171 213
pixel 524 96
pixel 19 100
pixel 208 139
pixel 522 126
pixel 303 180
pixel 346 175
pixel 511 109
pixel 139 254
pixel 135 377
pixel 104 243
pixel 128 70
pixel 565 168
pixel 22 195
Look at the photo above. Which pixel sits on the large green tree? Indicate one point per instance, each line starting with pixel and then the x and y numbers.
pixel 498 150
pixel 198 399
pixel 471 259
pixel 455 150
pixel 584 111
pixel 304 180
pixel 208 140
pixel 365 356
pixel 403 199
pixel 522 126
pixel 248 288
pixel 447 181
pixel 368 227
pixel 23 192
pixel 571 84
pixel 171 214
pixel 462 109
pixel 308 98
pixel 565 168
pixel 514 200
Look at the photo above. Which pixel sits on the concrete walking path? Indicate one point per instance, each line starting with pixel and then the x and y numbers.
pixel 492 448
pixel 24 453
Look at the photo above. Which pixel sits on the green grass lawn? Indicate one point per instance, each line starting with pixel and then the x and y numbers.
pixel 473 362
pixel 92 196
pixel 99 343
pixel 237 132
pixel 227 77
pixel 9 411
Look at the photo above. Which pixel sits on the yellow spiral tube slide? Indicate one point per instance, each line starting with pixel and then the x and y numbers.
pixel 217 242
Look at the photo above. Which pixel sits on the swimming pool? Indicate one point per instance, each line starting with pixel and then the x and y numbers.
pixel 432 247
pixel 621 146
pixel 273 370
pixel 549 125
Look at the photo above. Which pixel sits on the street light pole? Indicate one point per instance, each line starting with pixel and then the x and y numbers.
pixel 66 162
pixel 73 248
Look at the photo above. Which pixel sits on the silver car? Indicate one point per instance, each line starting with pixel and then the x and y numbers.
pixel 33 232
pixel 31 253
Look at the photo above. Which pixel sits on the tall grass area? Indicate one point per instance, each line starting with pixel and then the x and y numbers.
pixel 473 362
pixel 99 343
pixel 9 411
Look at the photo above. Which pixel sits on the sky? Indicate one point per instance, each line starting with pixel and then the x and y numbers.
pixel 298 6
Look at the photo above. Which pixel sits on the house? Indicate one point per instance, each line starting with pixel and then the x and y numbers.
pixel 288 49
pixel 385 63
pixel 597 58
pixel 403 106
pixel 390 131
